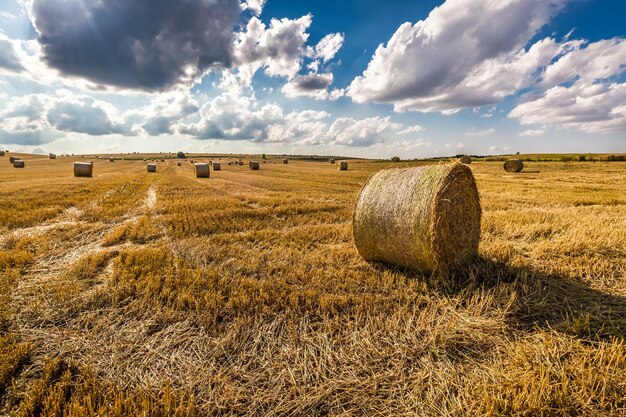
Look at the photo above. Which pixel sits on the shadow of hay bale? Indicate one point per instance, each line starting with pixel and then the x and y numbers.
pixel 534 299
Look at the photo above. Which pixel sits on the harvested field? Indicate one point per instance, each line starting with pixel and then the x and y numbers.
pixel 244 294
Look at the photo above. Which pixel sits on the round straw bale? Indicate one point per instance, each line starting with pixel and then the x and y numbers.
pixel 217 166
pixel 111 159
pixel 395 159
pixel 285 161
pixel 254 165
pixel 83 169
pixel 342 165
pixel 18 163
pixel 465 160
pixel 179 164
pixel 151 167
pixel 202 170
pixel 425 218
pixel 12 158
pixel 513 165
pixel 52 156
pixel 240 163
pixel 1 153
pixel 332 161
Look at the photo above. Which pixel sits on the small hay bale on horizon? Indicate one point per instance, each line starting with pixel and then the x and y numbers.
pixel 83 169
pixel 151 167
pixel 332 161
pixel 202 170
pixel 395 159
pixel 240 163
pixel 465 160
pixel 52 156
pixel 179 164
pixel 285 161
pixel 18 163
pixel 513 165
pixel 12 158
pixel 1 153
pixel 342 165
pixel 254 165
pixel 217 166
pixel 426 218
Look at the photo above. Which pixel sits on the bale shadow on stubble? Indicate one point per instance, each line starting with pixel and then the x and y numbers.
pixel 535 299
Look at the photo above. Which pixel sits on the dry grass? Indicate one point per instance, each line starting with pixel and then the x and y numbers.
pixel 163 294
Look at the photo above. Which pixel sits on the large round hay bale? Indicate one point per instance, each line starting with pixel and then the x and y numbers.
pixel 254 165
pixel 240 163
pixel 465 160
pixel 1 153
pixel 395 159
pixel 83 169
pixel 425 218
pixel 285 161
pixel 12 158
pixel 18 163
pixel 332 161
pixel 52 156
pixel 217 166
pixel 202 170
pixel 151 167
pixel 513 165
pixel 342 165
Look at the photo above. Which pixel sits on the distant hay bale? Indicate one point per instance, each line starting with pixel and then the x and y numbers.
pixel 12 158
pixel 179 164
pixel 52 156
pixel 332 161
pixel 202 170
pixel 254 165
pixel 217 166
pixel 18 163
pixel 162 160
pixel 425 218
pixel 151 167
pixel 83 169
pixel 342 165
pixel 240 163
pixel 1 153
pixel 513 165
pixel 395 159
pixel 285 161
pixel 465 160
pixel 111 159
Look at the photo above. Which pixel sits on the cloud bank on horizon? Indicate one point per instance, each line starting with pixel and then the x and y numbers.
pixel 231 76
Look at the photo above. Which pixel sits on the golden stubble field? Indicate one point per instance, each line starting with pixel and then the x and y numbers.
pixel 161 294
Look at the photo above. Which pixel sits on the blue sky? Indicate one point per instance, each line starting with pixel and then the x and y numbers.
pixel 359 78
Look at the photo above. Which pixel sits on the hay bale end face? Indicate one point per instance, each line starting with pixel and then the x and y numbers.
pixel 465 160
pixel 332 161
pixel 52 156
pixel 202 170
pixel 342 165
pixel 151 167
pixel 11 159
pixel 254 165
pixel 395 159
pixel 18 163
pixel 217 166
pixel 285 161
pixel 426 219
pixel 513 165
pixel 83 169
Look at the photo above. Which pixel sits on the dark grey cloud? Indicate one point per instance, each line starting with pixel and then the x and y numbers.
pixel 312 82
pixel 139 44
pixel 8 58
